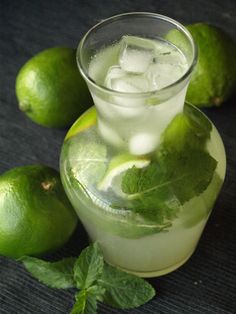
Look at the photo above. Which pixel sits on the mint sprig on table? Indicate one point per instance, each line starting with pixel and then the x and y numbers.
pixel 95 279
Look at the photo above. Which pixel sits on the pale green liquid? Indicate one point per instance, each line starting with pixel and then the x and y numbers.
pixel 127 240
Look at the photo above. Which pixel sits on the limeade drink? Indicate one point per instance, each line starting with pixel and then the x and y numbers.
pixel 135 65
pixel 142 170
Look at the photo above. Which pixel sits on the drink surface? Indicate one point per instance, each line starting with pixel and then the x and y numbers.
pixel 136 64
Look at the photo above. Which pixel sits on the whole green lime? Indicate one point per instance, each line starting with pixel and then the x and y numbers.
pixel 214 78
pixel 50 89
pixel 35 214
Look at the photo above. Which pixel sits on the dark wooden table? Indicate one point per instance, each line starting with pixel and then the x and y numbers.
pixel 207 283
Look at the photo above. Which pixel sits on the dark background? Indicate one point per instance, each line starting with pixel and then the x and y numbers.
pixel 207 283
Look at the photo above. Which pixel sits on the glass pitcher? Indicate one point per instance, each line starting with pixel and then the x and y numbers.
pixel 142 168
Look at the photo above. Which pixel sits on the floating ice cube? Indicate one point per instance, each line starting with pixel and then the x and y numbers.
pixel 118 80
pixel 143 143
pixel 131 84
pixel 114 72
pixel 136 54
pixel 170 55
pixel 101 62
pixel 161 75
pixel 124 85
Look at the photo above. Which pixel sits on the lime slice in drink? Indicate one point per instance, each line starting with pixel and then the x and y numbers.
pixel 87 160
pixel 118 165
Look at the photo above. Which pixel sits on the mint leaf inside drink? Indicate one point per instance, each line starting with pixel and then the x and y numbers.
pixel 158 191
pixel 181 170
pixel 58 275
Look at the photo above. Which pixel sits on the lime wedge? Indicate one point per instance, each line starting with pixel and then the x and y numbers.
pixel 120 164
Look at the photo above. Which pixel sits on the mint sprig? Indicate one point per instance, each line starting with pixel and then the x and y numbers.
pixel 158 191
pixel 85 303
pixel 88 267
pixel 96 280
pixel 180 170
pixel 53 274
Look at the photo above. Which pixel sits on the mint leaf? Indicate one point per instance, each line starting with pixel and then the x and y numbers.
pixel 53 274
pixel 80 304
pixel 97 281
pixel 98 291
pixel 88 267
pixel 149 194
pixel 189 172
pixel 123 290
pixel 158 190
pixel 85 303
pixel 181 170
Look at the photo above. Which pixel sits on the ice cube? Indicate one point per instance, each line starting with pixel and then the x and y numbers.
pixel 161 75
pixel 131 84
pixel 143 143
pixel 121 81
pixel 114 72
pixel 171 56
pixel 136 54
pixel 124 85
